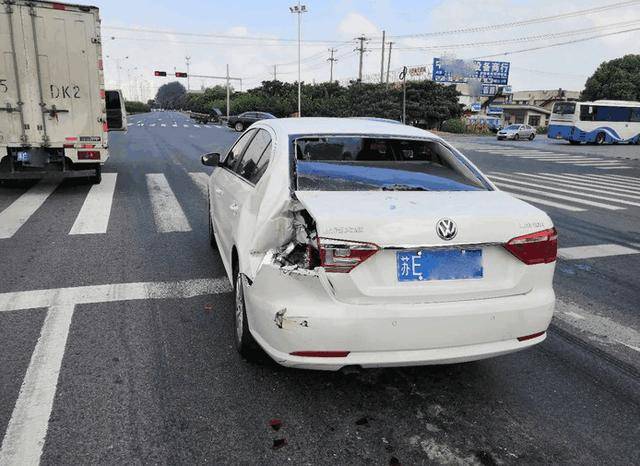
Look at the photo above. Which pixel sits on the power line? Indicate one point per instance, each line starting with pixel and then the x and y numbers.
pixel 557 44
pixel 545 36
pixel 512 24
pixel 218 36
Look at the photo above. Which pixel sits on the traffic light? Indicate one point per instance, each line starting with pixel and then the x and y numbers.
pixel 160 73
pixel 180 74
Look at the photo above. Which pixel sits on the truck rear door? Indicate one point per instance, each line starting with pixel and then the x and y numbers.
pixel 60 72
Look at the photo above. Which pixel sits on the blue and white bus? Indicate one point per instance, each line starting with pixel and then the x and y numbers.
pixel 599 122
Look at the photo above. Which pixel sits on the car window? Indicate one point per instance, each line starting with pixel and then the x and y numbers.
pixel 248 165
pixel 231 160
pixel 339 163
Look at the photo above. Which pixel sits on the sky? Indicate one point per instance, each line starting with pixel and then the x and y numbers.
pixel 258 34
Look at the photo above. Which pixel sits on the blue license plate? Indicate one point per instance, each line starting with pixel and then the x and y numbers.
pixel 23 156
pixel 439 264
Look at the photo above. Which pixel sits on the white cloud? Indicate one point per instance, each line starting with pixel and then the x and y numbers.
pixel 355 24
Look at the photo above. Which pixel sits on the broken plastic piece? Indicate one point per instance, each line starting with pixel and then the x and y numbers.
pixel 279 443
pixel 275 424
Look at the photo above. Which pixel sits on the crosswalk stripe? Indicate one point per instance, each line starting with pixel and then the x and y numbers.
pixel 16 215
pixel 597 181
pixel 547 202
pixel 175 125
pixel 570 191
pixel 96 210
pixel 619 178
pixel 578 185
pixel 597 250
pixel 186 126
pixel 201 180
pixel 196 126
pixel 152 124
pixel 167 212
pixel 560 196
pixel 163 125
pixel 621 167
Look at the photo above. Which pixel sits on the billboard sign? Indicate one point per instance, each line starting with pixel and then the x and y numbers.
pixel 452 71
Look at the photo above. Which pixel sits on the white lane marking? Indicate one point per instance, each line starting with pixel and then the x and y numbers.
pixel 167 211
pixel 26 432
pixel 25 435
pixel 175 125
pixel 152 124
pixel 560 196
pixel 596 250
pixel 129 124
pixel 598 162
pixel 16 215
pixel 623 167
pixel 33 299
pixel 164 125
pixel 201 180
pixel 557 205
pixel 631 179
pixel 602 328
pixel 207 126
pixel 570 191
pixel 196 126
pixel 186 126
pixel 140 124
pixel 578 185
pixel 96 210
pixel 593 182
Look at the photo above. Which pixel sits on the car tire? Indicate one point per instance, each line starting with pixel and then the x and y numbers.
pixel 245 343
pixel 97 178
pixel 516 137
pixel 532 137
pixel 239 127
pixel 601 138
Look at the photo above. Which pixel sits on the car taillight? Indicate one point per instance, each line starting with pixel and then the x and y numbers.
pixel 88 155
pixel 343 256
pixel 535 248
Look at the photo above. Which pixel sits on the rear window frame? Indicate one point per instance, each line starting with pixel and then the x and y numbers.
pixel 293 162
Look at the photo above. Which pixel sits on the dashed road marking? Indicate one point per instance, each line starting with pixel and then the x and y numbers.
pixel 167 212
pixel 14 216
pixel 557 205
pixel 595 251
pixel 96 210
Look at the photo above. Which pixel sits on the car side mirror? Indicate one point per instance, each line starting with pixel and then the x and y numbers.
pixel 211 159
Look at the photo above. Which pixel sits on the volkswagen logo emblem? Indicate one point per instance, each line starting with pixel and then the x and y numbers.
pixel 446 229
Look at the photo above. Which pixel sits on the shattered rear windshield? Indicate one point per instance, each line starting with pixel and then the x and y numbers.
pixel 339 163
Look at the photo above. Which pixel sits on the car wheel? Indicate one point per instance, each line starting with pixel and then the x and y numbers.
pixel 601 138
pixel 239 126
pixel 516 137
pixel 245 343
pixel 97 178
pixel 531 137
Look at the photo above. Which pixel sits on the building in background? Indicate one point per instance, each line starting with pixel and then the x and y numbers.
pixel 534 107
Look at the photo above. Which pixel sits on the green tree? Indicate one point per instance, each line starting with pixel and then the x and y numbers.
pixel 171 95
pixel 132 106
pixel 617 79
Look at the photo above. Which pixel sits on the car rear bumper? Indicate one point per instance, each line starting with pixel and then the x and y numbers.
pixel 290 312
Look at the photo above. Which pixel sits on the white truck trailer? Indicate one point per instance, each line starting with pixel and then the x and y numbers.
pixel 54 110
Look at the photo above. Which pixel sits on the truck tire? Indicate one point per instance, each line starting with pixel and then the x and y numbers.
pixel 97 178
pixel 239 127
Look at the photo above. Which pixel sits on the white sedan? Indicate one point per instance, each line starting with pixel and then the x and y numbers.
pixel 516 132
pixel 366 243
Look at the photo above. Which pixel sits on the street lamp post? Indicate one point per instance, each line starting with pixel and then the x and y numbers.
pixel 299 9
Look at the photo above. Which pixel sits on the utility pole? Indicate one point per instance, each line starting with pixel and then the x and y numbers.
pixel 331 60
pixel 299 9
pixel 361 51
pixel 382 60
pixel 275 72
pixel 188 60
pixel 389 61
pixel 228 96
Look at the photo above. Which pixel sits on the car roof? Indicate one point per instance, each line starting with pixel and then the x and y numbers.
pixel 316 125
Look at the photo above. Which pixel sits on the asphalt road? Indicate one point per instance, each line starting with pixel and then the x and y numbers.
pixel 117 341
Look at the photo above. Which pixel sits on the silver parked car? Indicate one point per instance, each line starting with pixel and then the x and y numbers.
pixel 516 132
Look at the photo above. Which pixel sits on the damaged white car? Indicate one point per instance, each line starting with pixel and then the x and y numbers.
pixel 365 243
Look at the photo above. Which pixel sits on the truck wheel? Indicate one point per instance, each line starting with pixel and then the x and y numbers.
pixel 97 178
pixel 245 343
pixel 239 127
